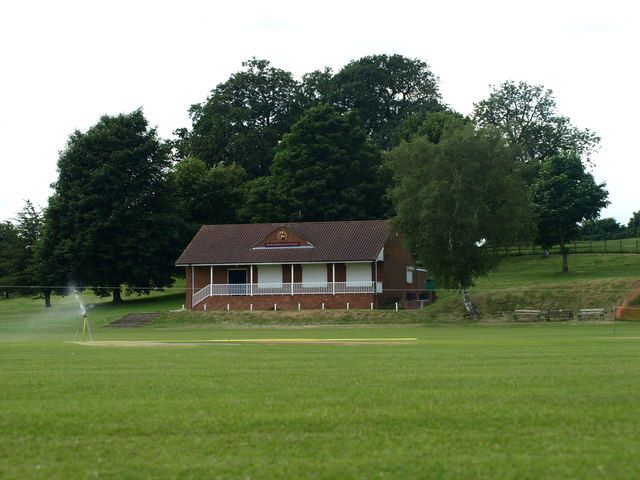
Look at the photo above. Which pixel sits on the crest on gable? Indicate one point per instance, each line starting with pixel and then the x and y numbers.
pixel 283 237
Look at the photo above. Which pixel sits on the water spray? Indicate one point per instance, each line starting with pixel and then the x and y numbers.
pixel 86 328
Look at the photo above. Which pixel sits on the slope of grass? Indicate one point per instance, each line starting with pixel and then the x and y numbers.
pixel 594 281
pixel 464 401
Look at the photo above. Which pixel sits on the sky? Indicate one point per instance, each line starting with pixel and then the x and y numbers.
pixel 63 64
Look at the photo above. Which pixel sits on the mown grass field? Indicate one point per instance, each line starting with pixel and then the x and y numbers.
pixel 464 400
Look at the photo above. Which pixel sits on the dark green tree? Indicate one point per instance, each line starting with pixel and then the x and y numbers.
pixel 244 118
pixel 12 250
pixel 602 229
pixel 527 117
pixel 429 124
pixel 633 226
pixel 111 220
pixel 207 195
pixel 316 87
pixel 324 169
pixel 384 90
pixel 456 199
pixel 17 251
pixel 563 196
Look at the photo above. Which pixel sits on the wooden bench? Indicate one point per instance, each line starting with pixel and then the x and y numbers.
pixel 559 314
pixel 536 314
pixel 591 312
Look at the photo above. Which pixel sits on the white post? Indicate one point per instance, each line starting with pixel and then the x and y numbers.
pixel 298 306
pixel 227 307
pixel 205 307
pixel 251 307
pixel 275 307
pixel 333 278
pixel 375 280
pixel 347 305
pixel 322 305
pixel 292 279
pixel 183 306
pixel 371 305
pixel 396 306
pixel 251 280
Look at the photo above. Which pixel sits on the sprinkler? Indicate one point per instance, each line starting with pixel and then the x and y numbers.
pixel 86 328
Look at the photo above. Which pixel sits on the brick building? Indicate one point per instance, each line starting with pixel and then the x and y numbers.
pixel 307 265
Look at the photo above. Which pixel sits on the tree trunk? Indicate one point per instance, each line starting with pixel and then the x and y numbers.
pixel 468 305
pixel 565 257
pixel 117 297
pixel 47 298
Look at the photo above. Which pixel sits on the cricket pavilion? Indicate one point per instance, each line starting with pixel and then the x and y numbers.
pixel 306 265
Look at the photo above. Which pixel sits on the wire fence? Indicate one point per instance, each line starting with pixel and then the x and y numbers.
pixel 625 245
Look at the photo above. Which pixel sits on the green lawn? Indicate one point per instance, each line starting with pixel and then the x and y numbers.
pixel 624 245
pixel 464 401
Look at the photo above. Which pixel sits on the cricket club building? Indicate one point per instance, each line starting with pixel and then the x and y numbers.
pixel 307 265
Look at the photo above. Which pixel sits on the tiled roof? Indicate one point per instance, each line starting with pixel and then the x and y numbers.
pixel 331 241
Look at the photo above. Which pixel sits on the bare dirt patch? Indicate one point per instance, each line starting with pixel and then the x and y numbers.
pixel 134 320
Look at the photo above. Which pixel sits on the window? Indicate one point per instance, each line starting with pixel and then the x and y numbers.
pixel 410 274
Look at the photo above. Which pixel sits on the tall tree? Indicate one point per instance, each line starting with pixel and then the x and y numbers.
pixel 634 224
pixel 207 194
pixel 11 258
pixel 244 118
pixel 324 169
pixel 456 198
pixel 563 196
pixel 602 229
pixel 527 117
pixel 430 124
pixel 111 219
pixel 317 87
pixel 17 251
pixel 383 90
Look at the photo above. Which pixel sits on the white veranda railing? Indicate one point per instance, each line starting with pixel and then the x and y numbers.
pixel 298 288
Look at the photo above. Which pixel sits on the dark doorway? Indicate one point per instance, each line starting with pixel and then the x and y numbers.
pixel 237 278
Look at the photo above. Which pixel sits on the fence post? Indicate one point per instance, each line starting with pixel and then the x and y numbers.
pixel 605 246
pixel 620 245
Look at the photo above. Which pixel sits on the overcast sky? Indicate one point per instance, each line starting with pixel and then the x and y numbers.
pixel 63 64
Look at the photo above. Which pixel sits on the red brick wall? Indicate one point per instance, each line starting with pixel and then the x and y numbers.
pixel 189 290
pixel 394 271
pixel 287 302
pixel 202 276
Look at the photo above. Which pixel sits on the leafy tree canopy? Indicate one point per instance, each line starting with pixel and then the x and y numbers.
pixel 111 219
pixel 602 229
pixel 527 117
pixel 563 196
pixel 634 224
pixel 456 197
pixel 207 195
pixel 385 89
pixel 429 124
pixel 324 169
pixel 12 249
pixel 244 118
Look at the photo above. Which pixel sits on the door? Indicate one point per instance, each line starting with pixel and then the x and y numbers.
pixel 237 280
